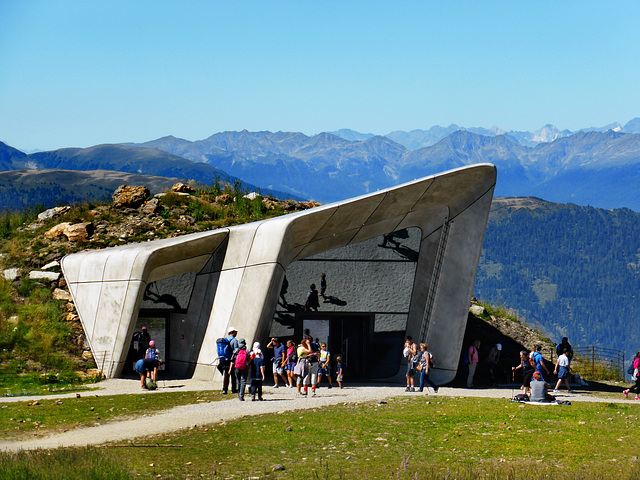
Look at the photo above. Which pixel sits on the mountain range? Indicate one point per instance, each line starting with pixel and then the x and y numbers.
pixel 590 167
pixel 75 174
pixel 595 166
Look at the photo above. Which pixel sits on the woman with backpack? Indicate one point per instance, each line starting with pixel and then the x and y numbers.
pixel 240 364
pixel 152 360
pixel 636 377
pixel 426 362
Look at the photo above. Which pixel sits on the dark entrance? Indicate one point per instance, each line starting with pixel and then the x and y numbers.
pixel 347 335
pixel 157 324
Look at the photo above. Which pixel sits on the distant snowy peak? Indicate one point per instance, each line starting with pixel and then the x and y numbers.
pixel 416 139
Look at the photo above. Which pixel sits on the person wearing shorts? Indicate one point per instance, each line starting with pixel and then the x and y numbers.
pixel 278 361
pixel 562 369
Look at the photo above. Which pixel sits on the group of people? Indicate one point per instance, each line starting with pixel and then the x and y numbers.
pixel 419 360
pixel 148 360
pixel 532 365
pixel 239 366
pixel 303 365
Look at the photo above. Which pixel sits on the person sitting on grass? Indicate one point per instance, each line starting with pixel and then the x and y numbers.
pixel 540 389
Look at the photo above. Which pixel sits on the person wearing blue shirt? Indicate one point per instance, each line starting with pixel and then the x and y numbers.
pixel 278 360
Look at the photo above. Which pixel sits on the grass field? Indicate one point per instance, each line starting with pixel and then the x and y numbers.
pixel 406 438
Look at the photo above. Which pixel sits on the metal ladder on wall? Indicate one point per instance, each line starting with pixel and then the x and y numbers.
pixel 435 279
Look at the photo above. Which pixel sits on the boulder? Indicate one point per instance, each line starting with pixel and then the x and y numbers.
pixel 79 231
pixel 59 294
pixel 50 265
pixel 57 230
pixel 224 198
pixel 87 355
pixel 133 197
pixel 182 188
pixel 252 195
pixel 52 213
pixel 477 310
pixel 72 317
pixel 75 233
pixel 151 207
pixel 11 274
pixel 48 276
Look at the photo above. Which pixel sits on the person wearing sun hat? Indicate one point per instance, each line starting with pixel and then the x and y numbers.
pixel 229 373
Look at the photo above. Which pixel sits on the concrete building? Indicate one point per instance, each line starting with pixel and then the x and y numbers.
pixel 399 261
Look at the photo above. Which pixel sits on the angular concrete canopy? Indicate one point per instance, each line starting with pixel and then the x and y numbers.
pixel 239 270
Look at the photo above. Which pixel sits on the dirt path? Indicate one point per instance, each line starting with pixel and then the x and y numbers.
pixel 187 416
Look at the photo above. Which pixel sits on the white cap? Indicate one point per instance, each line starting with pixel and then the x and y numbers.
pixel 498 346
pixel 232 329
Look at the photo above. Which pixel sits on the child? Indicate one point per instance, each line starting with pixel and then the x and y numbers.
pixel 325 364
pixel 339 372
pixel 257 373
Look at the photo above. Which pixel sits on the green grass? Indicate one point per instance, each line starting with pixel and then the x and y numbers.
pixel 408 438
pixel 25 419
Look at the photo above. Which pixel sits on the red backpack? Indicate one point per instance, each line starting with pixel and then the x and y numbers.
pixel 242 360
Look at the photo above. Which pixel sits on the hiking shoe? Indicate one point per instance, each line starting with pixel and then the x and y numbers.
pixel 329 386
pixel 412 389
pixel 241 399
pixel 313 392
pixel 558 391
pixel 224 392
pixel 275 386
pixel 436 389
pixel 406 389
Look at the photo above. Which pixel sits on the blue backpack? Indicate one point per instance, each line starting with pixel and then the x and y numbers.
pixel 224 349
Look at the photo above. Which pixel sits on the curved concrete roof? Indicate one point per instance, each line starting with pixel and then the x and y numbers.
pixel 450 208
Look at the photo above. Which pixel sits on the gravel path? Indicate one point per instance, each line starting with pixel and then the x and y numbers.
pixel 187 416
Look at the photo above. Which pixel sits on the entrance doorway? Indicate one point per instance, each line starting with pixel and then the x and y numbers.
pixel 346 335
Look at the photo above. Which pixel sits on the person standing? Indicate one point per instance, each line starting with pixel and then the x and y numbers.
pixel 339 371
pixel 636 378
pixel 257 373
pixel 563 367
pixel 410 352
pixel 527 371
pixel 565 345
pixel 302 366
pixel 492 359
pixel 225 366
pixel 538 360
pixel 426 361
pixel 279 360
pixel 241 368
pixel 325 364
pixel 291 363
pixel 473 357
pixel 143 342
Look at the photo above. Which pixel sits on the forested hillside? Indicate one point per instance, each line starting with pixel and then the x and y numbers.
pixel 573 270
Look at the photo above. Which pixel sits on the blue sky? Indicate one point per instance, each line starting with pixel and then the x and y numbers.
pixel 80 73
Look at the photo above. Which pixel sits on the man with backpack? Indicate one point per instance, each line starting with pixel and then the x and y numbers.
pixel 537 361
pixel 227 347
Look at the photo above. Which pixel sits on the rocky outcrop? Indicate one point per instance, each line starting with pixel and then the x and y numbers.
pixel 52 213
pixel 75 233
pixel 131 197
pixel 182 188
